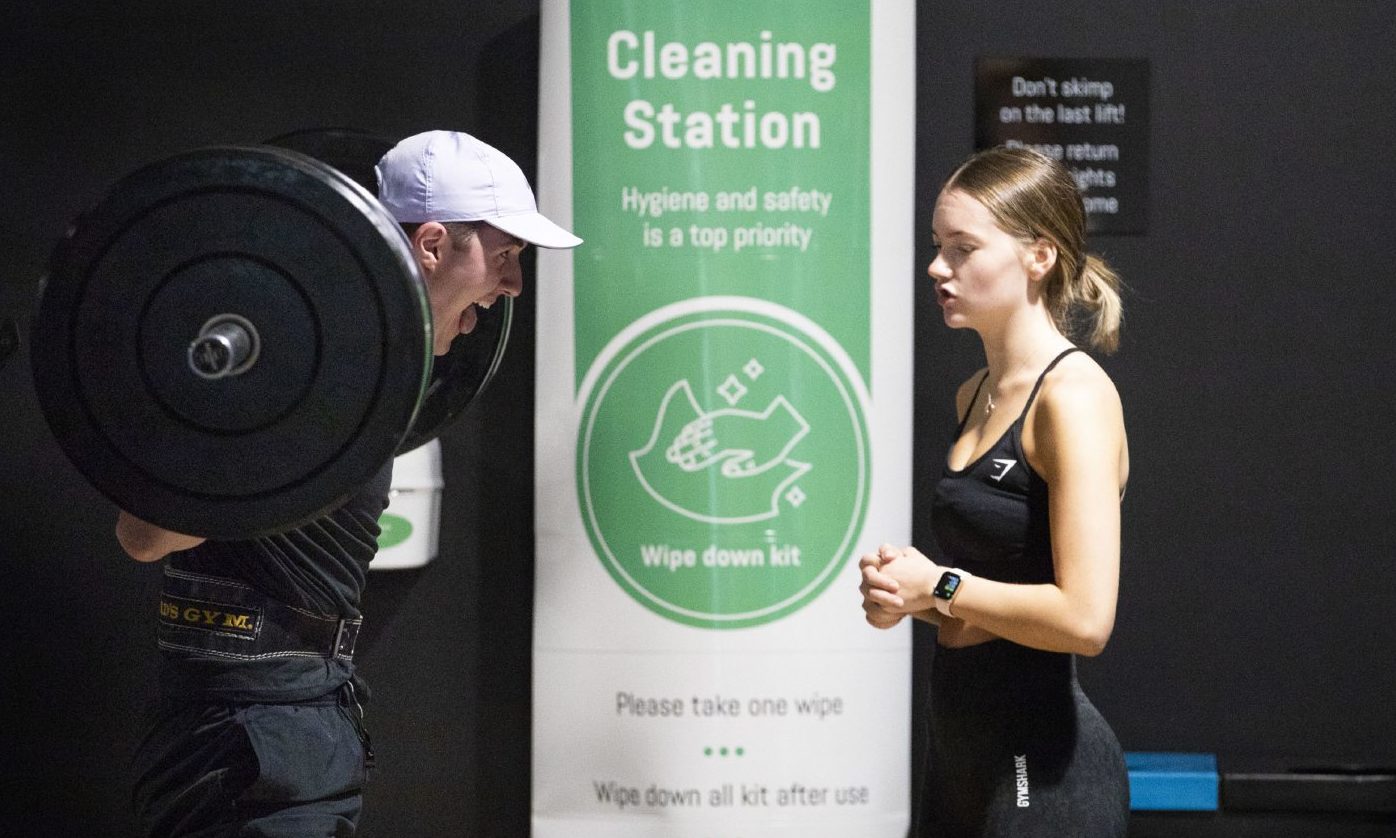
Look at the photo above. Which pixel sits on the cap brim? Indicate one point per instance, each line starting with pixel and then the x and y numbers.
pixel 535 229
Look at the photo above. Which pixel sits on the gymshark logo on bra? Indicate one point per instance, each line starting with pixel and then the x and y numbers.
pixel 1006 464
pixel 1020 772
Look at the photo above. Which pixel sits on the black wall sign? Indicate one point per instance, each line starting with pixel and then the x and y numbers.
pixel 1090 113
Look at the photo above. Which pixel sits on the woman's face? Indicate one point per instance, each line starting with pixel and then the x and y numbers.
pixel 981 272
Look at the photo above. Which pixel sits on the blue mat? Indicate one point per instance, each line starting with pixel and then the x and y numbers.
pixel 1172 782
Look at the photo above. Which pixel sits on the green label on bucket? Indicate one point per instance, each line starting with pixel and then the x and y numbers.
pixel 393 530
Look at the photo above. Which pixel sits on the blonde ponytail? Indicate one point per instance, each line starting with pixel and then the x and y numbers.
pixel 1098 291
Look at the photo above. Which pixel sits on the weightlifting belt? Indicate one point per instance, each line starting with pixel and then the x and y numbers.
pixel 225 618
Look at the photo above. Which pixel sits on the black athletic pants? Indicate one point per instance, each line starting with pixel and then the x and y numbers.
pixel 1016 750
pixel 207 769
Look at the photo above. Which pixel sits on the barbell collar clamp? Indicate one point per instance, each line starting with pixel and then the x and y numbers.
pixel 227 345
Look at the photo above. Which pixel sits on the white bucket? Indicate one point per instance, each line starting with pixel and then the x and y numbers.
pixel 411 523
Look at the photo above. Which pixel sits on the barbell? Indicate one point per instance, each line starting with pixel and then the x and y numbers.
pixel 234 339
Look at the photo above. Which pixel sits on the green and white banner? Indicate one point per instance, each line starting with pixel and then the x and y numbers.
pixel 723 417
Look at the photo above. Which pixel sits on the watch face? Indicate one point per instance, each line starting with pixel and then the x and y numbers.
pixel 949 582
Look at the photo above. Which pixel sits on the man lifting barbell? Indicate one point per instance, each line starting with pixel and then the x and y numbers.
pixel 311 350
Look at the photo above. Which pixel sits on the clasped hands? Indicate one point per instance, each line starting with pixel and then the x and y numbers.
pixel 897 582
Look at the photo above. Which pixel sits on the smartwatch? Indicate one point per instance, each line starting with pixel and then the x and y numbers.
pixel 947 587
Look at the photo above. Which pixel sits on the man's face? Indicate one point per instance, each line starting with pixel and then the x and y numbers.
pixel 460 277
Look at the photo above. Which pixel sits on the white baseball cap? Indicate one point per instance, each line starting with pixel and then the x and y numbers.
pixel 450 176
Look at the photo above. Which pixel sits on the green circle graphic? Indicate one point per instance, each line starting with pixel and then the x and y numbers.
pixel 393 530
pixel 723 467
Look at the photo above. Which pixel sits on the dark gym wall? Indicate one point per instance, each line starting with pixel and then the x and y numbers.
pixel 1254 599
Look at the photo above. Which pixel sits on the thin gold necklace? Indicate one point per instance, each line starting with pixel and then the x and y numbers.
pixel 989 391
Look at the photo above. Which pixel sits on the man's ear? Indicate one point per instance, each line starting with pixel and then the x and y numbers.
pixel 428 241
pixel 1041 257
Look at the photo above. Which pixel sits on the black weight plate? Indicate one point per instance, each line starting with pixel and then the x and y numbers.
pixel 459 376
pixel 353 152
pixel 9 340
pixel 301 252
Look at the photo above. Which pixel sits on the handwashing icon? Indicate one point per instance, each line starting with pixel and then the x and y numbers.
pixel 727 466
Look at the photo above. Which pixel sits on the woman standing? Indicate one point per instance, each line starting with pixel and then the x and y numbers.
pixel 1026 516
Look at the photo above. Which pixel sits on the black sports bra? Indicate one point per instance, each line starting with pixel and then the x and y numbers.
pixel 991 517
